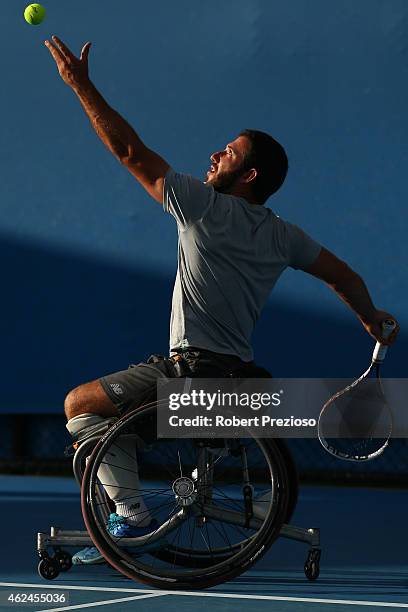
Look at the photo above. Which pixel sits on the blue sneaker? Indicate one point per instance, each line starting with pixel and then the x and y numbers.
pixel 119 528
pixel 88 556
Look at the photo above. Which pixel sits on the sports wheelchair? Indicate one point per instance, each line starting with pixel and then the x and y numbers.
pixel 220 505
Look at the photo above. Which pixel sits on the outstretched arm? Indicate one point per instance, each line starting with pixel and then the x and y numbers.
pixel 351 288
pixel 118 136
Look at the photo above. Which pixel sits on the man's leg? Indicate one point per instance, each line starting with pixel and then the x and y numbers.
pixel 89 409
pixel 90 398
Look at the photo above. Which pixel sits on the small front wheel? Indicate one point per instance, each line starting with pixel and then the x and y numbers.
pixel 312 564
pixel 48 569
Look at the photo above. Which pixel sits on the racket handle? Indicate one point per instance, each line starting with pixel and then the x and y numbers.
pixel 380 350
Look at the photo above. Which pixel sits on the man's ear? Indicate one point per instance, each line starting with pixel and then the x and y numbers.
pixel 249 176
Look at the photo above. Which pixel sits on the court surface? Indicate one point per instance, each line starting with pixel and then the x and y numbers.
pixel 364 556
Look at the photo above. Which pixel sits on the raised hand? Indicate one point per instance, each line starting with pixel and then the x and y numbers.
pixel 374 326
pixel 73 70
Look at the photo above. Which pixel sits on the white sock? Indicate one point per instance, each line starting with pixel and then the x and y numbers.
pixel 120 478
pixel 119 475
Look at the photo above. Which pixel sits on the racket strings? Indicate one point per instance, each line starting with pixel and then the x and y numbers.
pixel 356 422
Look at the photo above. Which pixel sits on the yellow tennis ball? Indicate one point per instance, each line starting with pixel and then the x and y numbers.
pixel 34 14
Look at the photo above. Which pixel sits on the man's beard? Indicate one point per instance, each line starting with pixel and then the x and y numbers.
pixel 224 181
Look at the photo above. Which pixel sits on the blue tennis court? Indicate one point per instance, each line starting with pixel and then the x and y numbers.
pixel 363 564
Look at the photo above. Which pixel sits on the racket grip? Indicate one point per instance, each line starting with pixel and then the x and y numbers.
pixel 380 350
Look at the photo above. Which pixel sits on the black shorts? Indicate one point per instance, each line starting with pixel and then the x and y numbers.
pixel 135 386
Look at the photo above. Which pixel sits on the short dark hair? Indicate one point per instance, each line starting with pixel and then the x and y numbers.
pixel 269 158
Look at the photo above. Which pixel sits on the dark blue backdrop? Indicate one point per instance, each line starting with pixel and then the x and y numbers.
pixel 88 260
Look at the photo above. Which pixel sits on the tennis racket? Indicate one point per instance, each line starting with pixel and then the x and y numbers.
pixel 355 424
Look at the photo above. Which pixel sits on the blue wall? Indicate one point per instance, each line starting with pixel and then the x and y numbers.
pixel 89 260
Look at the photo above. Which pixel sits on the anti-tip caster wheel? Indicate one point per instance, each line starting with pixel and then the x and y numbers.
pixel 48 568
pixel 312 564
pixel 64 560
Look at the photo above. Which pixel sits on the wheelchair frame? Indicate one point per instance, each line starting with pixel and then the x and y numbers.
pixel 51 565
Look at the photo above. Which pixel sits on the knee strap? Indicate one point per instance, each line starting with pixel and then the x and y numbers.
pixel 86 425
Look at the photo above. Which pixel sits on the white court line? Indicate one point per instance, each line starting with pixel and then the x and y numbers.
pixel 64 587
pixel 349 602
pixel 101 603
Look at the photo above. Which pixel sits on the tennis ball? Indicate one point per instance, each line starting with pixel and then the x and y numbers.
pixel 34 14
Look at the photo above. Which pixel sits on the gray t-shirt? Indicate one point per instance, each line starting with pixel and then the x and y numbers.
pixel 230 255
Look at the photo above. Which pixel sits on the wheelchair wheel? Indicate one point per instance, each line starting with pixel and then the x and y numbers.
pixel 201 497
pixel 193 558
pixel 293 478
pixel 80 457
pixel 106 506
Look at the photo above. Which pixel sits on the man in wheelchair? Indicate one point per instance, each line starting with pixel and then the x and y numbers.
pixel 232 249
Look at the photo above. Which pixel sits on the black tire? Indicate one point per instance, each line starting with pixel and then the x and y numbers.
pixel 312 564
pixel 79 459
pixel 312 571
pixel 199 575
pixel 48 569
pixel 293 478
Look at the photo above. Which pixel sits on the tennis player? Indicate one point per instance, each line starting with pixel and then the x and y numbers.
pixel 232 250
